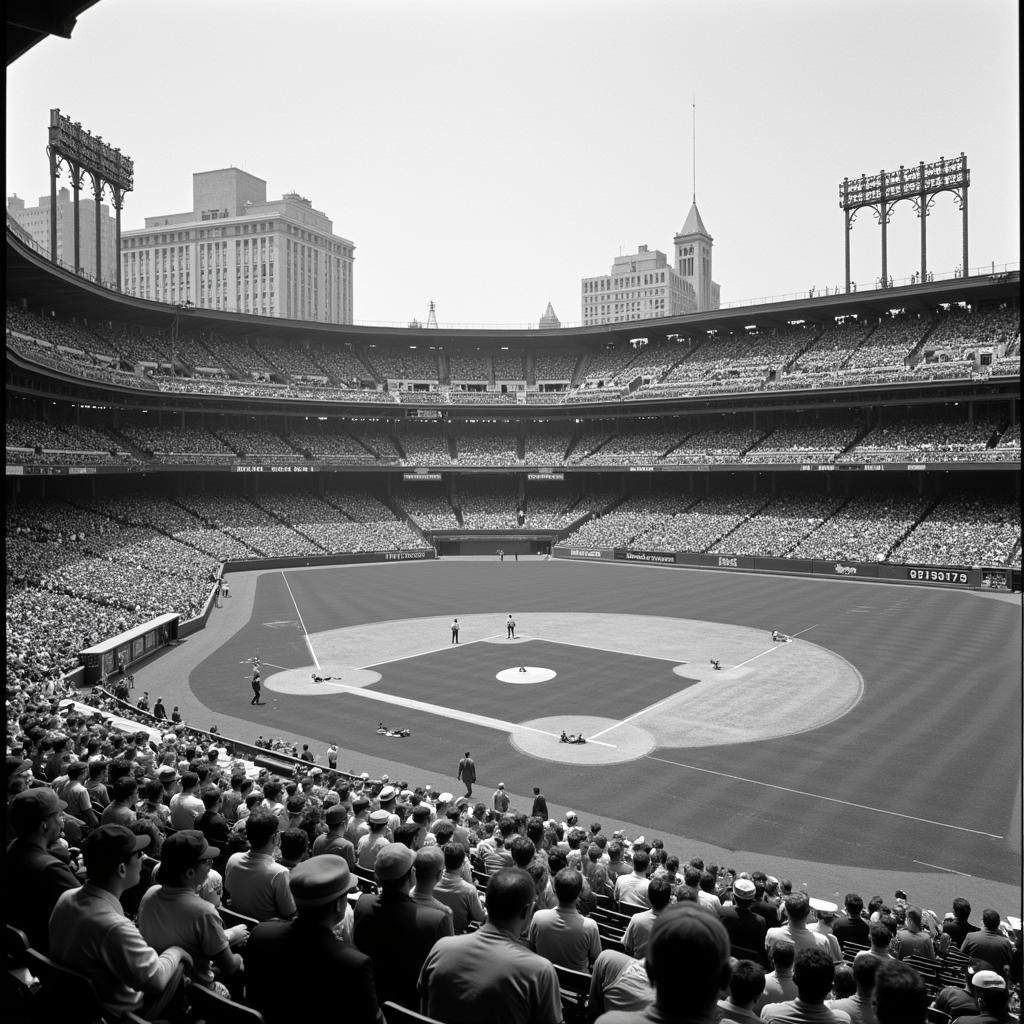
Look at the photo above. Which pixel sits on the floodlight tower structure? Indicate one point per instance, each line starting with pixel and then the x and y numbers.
pixel 920 185
pixel 86 154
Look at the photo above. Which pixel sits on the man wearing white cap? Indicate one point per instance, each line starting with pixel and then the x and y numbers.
pixel 746 929
pixel 308 948
pixel 825 913
pixel 374 841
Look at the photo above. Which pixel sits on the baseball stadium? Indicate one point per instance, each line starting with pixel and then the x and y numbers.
pixel 738 587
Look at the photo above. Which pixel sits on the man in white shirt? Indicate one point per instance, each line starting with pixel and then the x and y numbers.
pixel 563 935
pixel 798 907
pixel 632 888
pixel 256 883
pixel 187 805
pixel 638 931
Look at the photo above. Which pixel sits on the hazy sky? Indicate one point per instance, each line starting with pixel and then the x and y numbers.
pixel 488 154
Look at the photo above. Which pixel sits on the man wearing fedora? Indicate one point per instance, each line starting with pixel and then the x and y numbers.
pixel 307 948
pixel 34 878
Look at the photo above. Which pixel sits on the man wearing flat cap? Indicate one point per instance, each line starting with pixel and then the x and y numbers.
pixel 33 878
pixel 307 949
pixel 90 933
pixel 374 841
pixel 395 931
pixel 333 840
pixel 173 914
pixel 992 995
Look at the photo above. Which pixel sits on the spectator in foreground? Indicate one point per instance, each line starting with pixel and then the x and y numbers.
pixel 562 935
pixel 307 948
pixel 779 985
pixel 859 1005
pixel 489 975
pixel 90 934
pixel 989 943
pixel 745 988
pixel 900 996
pixel 34 878
pixel 455 892
pixel 256 883
pixel 173 914
pixel 992 997
pixel 813 973
pixel 688 963
pixel 638 931
pixel 394 931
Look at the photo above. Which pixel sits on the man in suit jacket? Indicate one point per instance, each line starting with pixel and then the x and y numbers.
pixel 394 931
pixel 308 948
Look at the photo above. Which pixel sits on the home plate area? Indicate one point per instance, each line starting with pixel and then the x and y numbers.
pixel 628 683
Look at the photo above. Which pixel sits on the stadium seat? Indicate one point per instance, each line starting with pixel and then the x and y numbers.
pixel 575 989
pixel 395 1014
pixel 210 1008
pixel 629 909
pixel 366 880
pixel 63 994
pixel 609 943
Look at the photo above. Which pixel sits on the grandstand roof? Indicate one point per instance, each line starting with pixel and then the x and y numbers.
pixel 31 21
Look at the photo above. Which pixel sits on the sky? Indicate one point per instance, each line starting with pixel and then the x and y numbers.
pixel 489 154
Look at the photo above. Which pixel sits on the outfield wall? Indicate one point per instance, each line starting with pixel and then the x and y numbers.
pixel 880 572
pixel 301 562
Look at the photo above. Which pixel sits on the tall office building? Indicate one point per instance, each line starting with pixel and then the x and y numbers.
pixel 645 285
pixel 36 221
pixel 641 286
pixel 237 251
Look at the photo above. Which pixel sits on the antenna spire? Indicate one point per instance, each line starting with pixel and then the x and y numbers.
pixel 693 123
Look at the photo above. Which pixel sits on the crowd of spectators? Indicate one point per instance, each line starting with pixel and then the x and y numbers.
pixel 632 445
pixel 487 444
pixel 509 365
pixel 469 365
pixel 935 440
pixel 192 862
pixel 891 342
pixel 403 363
pixel 865 529
pixel 290 359
pixel 715 444
pixel 778 526
pixel 964 530
pixel 424 444
pixel 550 367
pixel 342 365
pixel 428 505
pixel 331 445
pixel 488 504
pixel 805 443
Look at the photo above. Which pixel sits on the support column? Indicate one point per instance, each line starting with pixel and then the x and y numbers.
pixel 76 184
pixel 963 214
pixel 885 248
pixel 846 217
pixel 98 191
pixel 53 204
pixel 118 203
pixel 924 237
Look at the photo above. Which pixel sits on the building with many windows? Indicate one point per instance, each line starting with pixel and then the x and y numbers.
pixel 644 284
pixel 35 220
pixel 237 251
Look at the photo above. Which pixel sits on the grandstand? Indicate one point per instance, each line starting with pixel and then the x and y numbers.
pixel 303 508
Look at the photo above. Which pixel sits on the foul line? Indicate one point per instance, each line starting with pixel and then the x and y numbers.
pixel 445 712
pixel 830 799
pixel 305 632
pixel 642 711
pixel 952 871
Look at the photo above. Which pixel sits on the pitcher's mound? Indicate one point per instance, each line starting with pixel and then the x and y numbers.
pixel 531 675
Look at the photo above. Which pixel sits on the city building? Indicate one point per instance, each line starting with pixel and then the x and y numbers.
pixel 549 321
pixel 645 285
pixel 693 260
pixel 35 220
pixel 237 251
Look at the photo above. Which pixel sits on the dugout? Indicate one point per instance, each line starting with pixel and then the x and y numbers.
pixel 102 660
